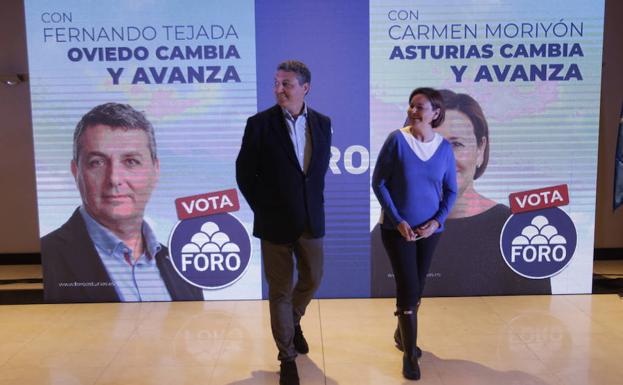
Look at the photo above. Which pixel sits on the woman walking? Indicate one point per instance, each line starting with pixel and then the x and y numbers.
pixel 415 183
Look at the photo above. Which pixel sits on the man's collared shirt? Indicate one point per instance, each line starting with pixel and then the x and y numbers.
pixel 134 280
pixel 300 135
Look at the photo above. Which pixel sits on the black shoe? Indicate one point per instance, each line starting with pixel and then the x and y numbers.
pixel 398 341
pixel 299 341
pixel 288 375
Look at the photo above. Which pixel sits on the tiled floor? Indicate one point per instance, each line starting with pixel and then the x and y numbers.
pixel 480 340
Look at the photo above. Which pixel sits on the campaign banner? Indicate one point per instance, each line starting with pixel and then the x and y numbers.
pixel 168 87
pixel 521 89
pixel 147 207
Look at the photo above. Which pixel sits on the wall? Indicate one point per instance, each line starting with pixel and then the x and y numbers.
pixel 18 222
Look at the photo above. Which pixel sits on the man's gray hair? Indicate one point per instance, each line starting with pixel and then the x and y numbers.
pixel 299 68
pixel 115 115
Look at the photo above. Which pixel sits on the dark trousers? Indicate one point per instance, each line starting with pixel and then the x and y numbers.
pixel 410 263
pixel 288 303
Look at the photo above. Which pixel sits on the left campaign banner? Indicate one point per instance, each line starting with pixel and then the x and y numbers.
pixel 135 105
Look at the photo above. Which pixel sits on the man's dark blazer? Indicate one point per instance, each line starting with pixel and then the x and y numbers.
pixel 285 201
pixel 69 256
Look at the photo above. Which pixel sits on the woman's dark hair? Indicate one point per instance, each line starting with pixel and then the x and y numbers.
pixel 470 107
pixel 435 99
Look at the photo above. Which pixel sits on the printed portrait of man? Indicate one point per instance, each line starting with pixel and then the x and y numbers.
pixel 106 251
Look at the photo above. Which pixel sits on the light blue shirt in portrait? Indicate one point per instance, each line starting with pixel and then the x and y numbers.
pixel 134 280
pixel 301 136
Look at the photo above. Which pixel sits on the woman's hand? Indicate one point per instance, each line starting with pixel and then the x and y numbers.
pixel 406 231
pixel 428 228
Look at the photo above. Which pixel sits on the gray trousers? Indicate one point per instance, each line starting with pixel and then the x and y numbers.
pixel 288 304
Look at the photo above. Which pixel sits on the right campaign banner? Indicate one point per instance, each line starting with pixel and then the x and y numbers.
pixel 522 89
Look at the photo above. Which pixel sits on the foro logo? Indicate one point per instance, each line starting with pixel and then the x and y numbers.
pixel 538 244
pixel 211 249
pixel 210 252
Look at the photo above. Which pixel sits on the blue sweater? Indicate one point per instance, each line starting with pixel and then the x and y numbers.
pixel 411 189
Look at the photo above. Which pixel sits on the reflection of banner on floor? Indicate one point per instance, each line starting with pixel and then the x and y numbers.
pixel 618 167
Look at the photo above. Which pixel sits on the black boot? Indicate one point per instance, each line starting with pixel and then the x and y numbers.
pixel 398 339
pixel 288 374
pixel 407 323
pixel 300 344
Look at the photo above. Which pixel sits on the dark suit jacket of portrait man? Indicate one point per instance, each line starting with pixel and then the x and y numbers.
pixel 69 256
pixel 268 173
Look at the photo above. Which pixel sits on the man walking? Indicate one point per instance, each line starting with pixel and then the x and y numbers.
pixel 280 170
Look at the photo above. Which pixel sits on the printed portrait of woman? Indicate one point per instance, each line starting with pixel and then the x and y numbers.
pixel 468 260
